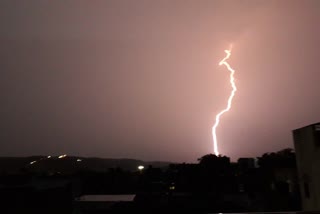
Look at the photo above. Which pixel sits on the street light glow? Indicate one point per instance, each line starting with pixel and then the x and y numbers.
pixel 62 156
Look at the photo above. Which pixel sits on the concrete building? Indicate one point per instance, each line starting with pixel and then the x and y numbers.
pixel 307 146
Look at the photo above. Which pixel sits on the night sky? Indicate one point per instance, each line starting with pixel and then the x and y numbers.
pixel 140 79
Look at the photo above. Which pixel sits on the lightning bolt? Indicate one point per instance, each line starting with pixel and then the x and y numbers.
pixel 234 89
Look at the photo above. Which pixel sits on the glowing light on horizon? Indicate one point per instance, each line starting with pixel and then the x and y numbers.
pixel 33 162
pixel 62 156
pixel 140 167
pixel 234 89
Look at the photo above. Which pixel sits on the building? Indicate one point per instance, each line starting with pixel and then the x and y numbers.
pixel 246 163
pixel 307 145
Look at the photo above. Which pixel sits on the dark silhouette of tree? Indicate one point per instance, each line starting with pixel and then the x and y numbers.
pixel 213 162
pixel 285 158
pixel 276 188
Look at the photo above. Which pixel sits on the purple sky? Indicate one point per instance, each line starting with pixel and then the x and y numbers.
pixel 140 79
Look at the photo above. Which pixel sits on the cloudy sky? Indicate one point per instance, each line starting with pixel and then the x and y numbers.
pixel 140 79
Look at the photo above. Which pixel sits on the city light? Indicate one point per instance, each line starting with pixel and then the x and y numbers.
pixel 62 156
pixel 33 162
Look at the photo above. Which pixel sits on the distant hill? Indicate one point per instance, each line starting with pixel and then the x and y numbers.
pixel 70 164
